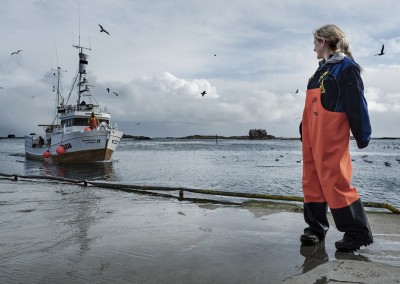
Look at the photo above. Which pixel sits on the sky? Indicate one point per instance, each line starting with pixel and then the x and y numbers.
pixel 250 56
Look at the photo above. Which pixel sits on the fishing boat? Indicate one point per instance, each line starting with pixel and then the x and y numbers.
pixel 69 139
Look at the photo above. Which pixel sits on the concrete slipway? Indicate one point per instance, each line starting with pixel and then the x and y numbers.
pixel 53 232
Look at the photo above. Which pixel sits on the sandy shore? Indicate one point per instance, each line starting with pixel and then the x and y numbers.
pixel 61 233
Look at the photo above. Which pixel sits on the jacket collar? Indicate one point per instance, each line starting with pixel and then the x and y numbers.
pixel 335 58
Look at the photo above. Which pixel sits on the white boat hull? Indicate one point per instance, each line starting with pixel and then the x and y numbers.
pixel 79 146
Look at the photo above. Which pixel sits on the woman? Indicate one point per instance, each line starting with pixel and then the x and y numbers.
pixel 335 104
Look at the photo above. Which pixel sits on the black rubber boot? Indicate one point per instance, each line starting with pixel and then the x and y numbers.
pixel 354 222
pixel 315 217
pixel 310 239
pixel 351 243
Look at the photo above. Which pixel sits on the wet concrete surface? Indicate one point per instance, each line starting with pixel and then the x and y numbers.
pixel 61 233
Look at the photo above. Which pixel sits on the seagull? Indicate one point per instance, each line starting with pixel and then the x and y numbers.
pixel 203 93
pixel 115 94
pixel 16 52
pixel 382 53
pixel 108 90
pixel 102 29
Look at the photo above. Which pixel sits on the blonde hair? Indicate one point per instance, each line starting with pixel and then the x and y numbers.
pixel 334 38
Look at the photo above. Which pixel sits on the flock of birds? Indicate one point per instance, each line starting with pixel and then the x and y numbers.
pixel 108 90
pixel 363 157
pixel 203 93
pixel 102 30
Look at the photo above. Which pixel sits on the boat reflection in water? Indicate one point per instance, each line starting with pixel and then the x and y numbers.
pixel 90 171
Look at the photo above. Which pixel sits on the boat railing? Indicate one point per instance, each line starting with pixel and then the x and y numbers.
pixel 64 129
pixel 86 107
pixel 104 126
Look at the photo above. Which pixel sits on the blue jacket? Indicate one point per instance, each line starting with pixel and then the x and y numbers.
pixel 342 90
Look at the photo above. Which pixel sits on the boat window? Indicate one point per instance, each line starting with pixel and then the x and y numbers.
pixel 66 122
pixel 80 121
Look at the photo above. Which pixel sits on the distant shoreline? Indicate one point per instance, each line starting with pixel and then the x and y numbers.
pixel 214 137
pixel 243 137
pixel 203 137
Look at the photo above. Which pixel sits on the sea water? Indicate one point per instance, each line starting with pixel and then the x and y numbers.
pixel 251 166
pixel 54 232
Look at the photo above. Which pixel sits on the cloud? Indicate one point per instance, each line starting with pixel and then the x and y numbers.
pixel 381 102
pixel 167 97
pixel 160 56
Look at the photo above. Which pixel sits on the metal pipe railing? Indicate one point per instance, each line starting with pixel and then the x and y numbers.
pixel 150 190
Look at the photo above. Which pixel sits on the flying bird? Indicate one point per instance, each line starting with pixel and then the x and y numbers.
pixel 102 29
pixel 16 52
pixel 297 91
pixel 115 94
pixel 382 53
pixel 203 93
pixel 108 90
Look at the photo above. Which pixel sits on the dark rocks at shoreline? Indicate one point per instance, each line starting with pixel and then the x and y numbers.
pixel 11 137
pixel 126 136
pixel 213 137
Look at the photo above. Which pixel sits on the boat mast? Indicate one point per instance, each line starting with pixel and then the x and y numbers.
pixel 83 62
pixel 60 99
pixel 82 82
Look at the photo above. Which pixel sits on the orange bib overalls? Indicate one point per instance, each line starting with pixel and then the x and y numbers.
pixel 327 170
pixel 93 122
